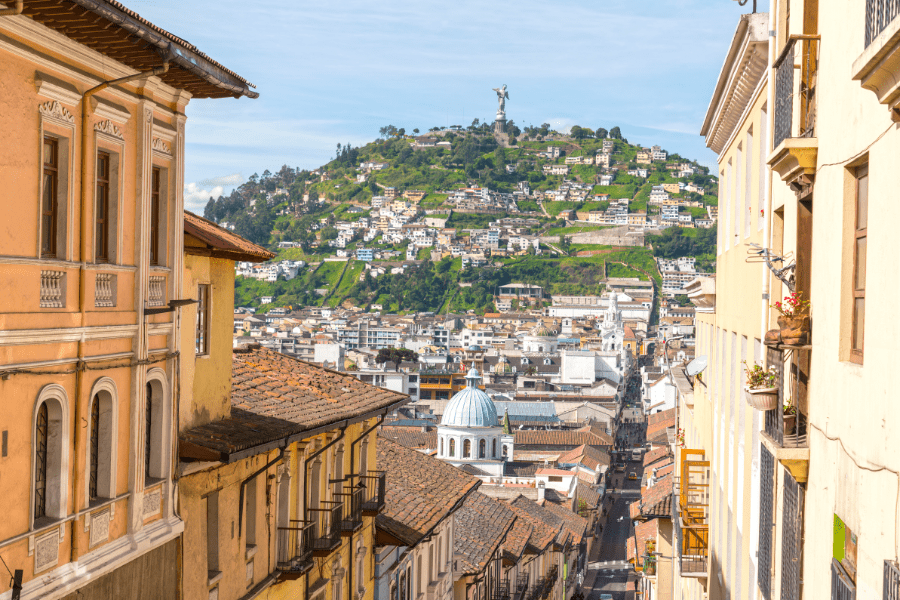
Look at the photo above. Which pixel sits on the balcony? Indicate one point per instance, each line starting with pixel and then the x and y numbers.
pixel 794 134
pixel 351 515
pixel 787 440
pixel 373 497
pixel 690 514
pixel 876 68
pixel 521 587
pixel 294 548
pixel 326 528
pixel 501 592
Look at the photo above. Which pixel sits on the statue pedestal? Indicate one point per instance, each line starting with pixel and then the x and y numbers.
pixel 500 125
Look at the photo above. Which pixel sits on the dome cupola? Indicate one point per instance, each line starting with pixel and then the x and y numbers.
pixel 470 407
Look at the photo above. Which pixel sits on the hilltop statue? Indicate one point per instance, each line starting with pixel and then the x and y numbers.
pixel 500 122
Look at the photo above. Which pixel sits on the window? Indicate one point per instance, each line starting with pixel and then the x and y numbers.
pixel 555 478
pixel 103 208
pixel 467 449
pixel 452 447
pixel 155 413
pixel 148 431
pixel 442 447
pixel 859 264
pixel 50 201
pixel 41 436
pixel 748 202
pixel 155 206
pixel 95 449
pixel 212 534
pixel 482 449
pixel 250 538
pixel 494 453
pixel 202 333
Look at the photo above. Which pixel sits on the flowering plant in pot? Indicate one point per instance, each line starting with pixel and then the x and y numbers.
pixel 793 323
pixel 761 389
pixel 790 417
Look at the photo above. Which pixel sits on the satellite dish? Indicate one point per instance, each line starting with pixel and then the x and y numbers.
pixel 697 365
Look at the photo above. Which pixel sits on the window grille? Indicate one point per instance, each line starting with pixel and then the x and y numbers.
pixel 841 586
pixel 879 14
pixel 891 581
pixel 766 480
pixel 95 448
pixel 791 538
pixel 40 462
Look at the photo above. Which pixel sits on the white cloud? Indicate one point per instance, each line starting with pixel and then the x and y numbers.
pixel 195 197
pixel 224 181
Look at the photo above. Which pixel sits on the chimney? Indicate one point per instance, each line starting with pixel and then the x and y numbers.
pixel 540 491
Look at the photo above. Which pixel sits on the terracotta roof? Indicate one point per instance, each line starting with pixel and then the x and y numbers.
pixel 560 438
pixel 520 469
pixel 517 539
pixel 221 242
pixel 274 396
pixel 546 524
pixel 655 501
pixel 637 544
pixel 555 472
pixel 575 524
pixel 420 491
pixel 660 421
pixel 480 526
pixel 590 496
pixel 655 454
pixel 589 456
pixel 113 30
pixel 598 429
pixel 411 437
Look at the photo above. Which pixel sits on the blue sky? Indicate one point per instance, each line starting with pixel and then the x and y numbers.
pixel 331 72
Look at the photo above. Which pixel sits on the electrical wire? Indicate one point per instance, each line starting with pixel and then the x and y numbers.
pixel 858 154
pixel 83 366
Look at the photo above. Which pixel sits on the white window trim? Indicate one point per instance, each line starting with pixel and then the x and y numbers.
pixel 57 116
pixel 109 463
pixel 58 465
pixel 115 147
pixel 162 425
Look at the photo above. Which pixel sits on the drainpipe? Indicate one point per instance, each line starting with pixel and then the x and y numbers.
pixel 244 486
pixel 362 436
pixel 767 202
pixel 17 10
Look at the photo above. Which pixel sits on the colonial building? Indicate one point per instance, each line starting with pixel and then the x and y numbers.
pixel 92 132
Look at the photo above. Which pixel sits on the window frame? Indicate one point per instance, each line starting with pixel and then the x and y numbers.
pixel 201 325
pixel 50 220
pixel 156 204
pixel 859 173
pixel 104 396
pixel 102 199
pixel 54 397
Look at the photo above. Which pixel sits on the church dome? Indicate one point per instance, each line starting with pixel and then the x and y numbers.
pixel 470 407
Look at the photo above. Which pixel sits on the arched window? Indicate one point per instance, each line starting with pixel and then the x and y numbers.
pixel 467 449
pixel 102 441
pixel 504 450
pixel 51 442
pixel 148 431
pixel 441 453
pixel 403 594
pixel 482 451
pixel 547 361
pixel 494 452
pixel 155 415
pixel 452 447
pixel 418 575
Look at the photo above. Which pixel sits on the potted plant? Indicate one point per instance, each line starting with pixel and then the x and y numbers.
pixel 790 417
pixel 793 324
pixel 761 390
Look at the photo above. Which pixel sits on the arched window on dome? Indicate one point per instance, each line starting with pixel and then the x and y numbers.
pixel 482 449
pixel 504 450
pixel 547 361
pixel 442 447
pixel 452 447
pixel 525 360
pixel 467 449
pixel 494 453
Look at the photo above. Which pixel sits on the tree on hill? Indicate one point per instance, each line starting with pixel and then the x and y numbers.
pixel 396 356
pixel 601 133
pixel 615 133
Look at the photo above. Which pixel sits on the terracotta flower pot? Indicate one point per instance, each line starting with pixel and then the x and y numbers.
pixel 761 399
pixel 794 330
pixel 790 422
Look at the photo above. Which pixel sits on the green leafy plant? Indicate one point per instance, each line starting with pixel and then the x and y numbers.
pixel 759 378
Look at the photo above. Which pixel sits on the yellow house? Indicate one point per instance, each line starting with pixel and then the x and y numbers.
pixel 278 485
pixel 92 144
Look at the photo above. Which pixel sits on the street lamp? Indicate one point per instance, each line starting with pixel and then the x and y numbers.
pixel 744 3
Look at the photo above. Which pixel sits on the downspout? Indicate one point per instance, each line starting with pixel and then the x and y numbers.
pixel 361 437
pixel 17 10
pixel 767 202
pixel 244 486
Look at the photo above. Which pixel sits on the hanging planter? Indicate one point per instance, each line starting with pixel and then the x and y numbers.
pixel 761 389
pixel 761 399
pixel 793 324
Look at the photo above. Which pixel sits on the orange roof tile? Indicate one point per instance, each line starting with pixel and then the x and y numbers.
pixel 221 242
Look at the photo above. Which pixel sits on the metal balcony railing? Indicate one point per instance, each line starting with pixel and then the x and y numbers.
pixel 294 546
pixel 538 589
pixel 501 592
pixel 690 513
pixel 373 497
pixel 351 516
pixel 521 587
pixel 326 531
pixel 879 14
pixel 781 430
pixel 800 52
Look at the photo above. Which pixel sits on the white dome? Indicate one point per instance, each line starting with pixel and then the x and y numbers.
pixel 470 407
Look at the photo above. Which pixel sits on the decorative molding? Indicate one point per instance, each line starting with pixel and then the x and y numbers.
pixel 152 504
pixel 109 128
pixel 19 337
pixel 107 110
pixel 160 145
pixel 99 528
pixel 148 115
pixel 48 87
pixel 55 111
pixel 46 551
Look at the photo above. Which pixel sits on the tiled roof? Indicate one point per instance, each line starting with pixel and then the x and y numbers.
pixel 480 526
pixel 546 524
pixel 274 396
pixel 411 437
pixel 655 501
pixel 473 470
pixel 655 454
pixel 659 422
pixel 561 472
pixel 560 438
pixel 575 524
pixel 520 469
pixel 420 491
pixel 221 241
pixel 589 456
pixel 637 544
pixel 590 496
pixel 517 539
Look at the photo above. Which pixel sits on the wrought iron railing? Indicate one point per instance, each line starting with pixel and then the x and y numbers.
pixel 374 485
pixel 891 580
pixel 501 592
pixel 326 532
pixel 766 523
pixel 521 587
pixel 842 588
pixel 351 516
pixel 788 431
pixel 786 92
pixel 294 546
pixel 879 14
pixel 791 537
